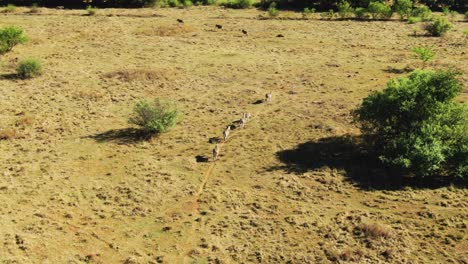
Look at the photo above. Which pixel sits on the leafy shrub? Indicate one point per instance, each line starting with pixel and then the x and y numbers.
pixel 423 12
pixel 416 126
pixel 414 20
pixel 425 54
pixel 9 8
pixel 439 27
pixel 360 13
pixel 403 8
pixel 308 12
pixel 344 9
pixel 272 11
pixel 445 10
pixel 34 8
pixel 155 117
pixel 10 37
pixel 237 4
pixel 91 10
pixel 29 68
pixel 379 10
pixel 328 15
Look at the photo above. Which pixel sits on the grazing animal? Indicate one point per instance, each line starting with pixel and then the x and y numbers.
pixel 219 26
pixel 226 132
pixel 215 152
pixel 280 36
pixel 245 32
pixel 180 21
pixel 243 121
pixel 268 97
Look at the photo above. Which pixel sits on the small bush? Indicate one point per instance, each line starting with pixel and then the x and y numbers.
pixel 414 20
pixel 328 15
pixel 34 8
pixel 155 117
pixel 425 54
pixel 422 12
pixel 9 8
pixel 379 10
pixel 439 27
pixel 308 12
pixel 91 11
pixel 403 8
pixel 344 9
pixel 361 13
pixel 272 11
pixel 416 126
pixel 10 37
pixel 237 4
pixel 8 133
pixel 29 68
pixel 375 231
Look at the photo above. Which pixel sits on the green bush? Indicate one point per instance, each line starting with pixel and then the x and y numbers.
pixel 10 37
pixel 9 8
pixel 423 12
pixel 308 12
pixel 379 10
pixel 344 9
pixel 272 11
pixel 34 8
pixel 328 15
pixel 439 27
pixel 416 125
pixel 29 68
pixel 403 8
pixel 155 117
pixel 425 54
pixel 361 13
pixel 237 4
pixel 91 10
pixel 414 20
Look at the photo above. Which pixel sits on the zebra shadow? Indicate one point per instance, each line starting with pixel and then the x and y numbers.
pixel 360 164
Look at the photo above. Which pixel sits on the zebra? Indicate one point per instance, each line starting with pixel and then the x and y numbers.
pixel 215 152
pixel 226 132
pixel 268 97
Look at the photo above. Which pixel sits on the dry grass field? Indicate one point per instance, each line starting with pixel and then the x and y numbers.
pixel 78 186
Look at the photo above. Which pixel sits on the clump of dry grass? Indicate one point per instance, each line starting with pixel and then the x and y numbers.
pixel 374 230
pixel 130 75
pixel 25 121
pixel 166 31
pixel 8 133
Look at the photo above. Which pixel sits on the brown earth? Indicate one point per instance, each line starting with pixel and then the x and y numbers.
pixel 78 185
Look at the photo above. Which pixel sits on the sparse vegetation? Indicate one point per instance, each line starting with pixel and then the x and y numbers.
pixel 361 13
pixel 237 4
pixel 425 54
pixel 403 8
pixel 375 231
pixel 439 27
pixel 29 68
pixel 10 37
pixel 91 11
pixel 308 12
pixel 415 125
pixel 155 117
pixel 422 12
pixel 345 10
pixel 328 15
pixel 272 11
pixel 379 10
pixel 9 8
pixel 34 8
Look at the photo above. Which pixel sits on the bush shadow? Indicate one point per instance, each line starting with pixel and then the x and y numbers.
pixel 361 166
pixel 122 136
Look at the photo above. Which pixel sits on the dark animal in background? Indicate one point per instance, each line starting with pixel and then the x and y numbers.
pixel 280 36
pixel 245 32
pixel 219 26
pixel 180 21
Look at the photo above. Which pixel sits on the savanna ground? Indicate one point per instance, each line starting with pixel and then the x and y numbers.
pixel 78 185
